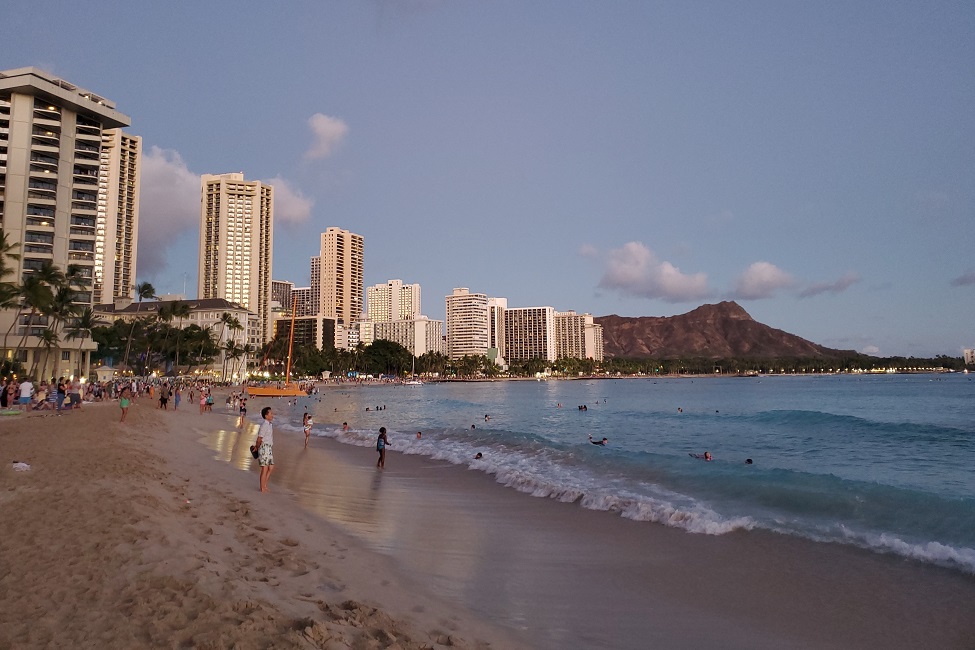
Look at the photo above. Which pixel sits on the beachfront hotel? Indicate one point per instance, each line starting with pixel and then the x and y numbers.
pixel 204 313
pixel 236 236
pixel 117 223
pixel 529 333
pixel 281 294
pixel 578 336
pixel 68 197
pixel 393 314
pixel 316 285
pixel 340 286
pixel 392 300
pixel 301 302
pixel 467 323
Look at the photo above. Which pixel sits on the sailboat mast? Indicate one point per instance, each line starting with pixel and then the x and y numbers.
pixel 291 342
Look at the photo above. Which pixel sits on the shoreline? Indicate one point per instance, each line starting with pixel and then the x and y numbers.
pixel 135 536
pixel 767 589
pixel 423 550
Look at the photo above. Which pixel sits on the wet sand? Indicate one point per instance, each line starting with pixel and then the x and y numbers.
pixel 563 576
pixel 154 534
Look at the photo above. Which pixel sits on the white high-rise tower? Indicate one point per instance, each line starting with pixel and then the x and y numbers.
pixel 236 236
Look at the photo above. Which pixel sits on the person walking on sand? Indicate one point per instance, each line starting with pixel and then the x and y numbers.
pixel 26 393
pixel 264 444
pixel 243 412
pixel 124 400
pixel 381 443
pixel 306 424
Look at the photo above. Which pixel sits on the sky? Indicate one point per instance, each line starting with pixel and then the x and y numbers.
pixel 813 161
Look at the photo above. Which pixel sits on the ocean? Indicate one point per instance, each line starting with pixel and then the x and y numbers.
pixel 882 462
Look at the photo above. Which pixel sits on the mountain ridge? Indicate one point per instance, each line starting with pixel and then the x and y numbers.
pixel 716 331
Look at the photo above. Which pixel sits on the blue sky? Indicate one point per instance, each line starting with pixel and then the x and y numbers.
pixel 813 161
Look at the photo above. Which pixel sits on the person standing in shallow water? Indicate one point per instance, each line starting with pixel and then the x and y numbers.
pixel 264 444
pixel 381 443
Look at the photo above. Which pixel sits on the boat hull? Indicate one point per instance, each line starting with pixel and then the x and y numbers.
pixel 270 391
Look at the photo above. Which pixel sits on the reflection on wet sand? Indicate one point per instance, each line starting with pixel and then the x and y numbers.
pixel 390 512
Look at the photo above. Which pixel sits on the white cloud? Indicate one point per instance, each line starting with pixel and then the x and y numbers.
pixel 290 205
pixel 328 133
pixel 169 205
pixel 761 280
pixel 872 350
pixel 838 286
pixel 964 280
pixel 634 269
pixel 588 250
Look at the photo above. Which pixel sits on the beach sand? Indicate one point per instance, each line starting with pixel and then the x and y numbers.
pixel 133 536
pixel 153 534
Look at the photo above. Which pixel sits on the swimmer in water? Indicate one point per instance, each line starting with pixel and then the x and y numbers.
pixel 604 441
pixel 478 456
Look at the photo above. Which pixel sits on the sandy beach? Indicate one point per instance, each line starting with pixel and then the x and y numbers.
pixel 153 534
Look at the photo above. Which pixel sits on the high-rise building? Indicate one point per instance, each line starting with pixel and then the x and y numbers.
pixel 341 276
pixel 467 323
pixel 301 301
pixel 529 333
pixel 117 224
pixel 236 234
pixel 316 285
pixel 578 336
pixel 418 335
pixel 281 293
pixel 51 169
pixel 496 348
pixel 393 300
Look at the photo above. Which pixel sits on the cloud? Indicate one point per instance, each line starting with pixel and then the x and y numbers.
pixel 838 286
pixel 169 205
pixel 634 269
pixel 290 205
pixel 872 350
pixel 964 280
pixel 761 280
pixel 328 133
pixel 588 250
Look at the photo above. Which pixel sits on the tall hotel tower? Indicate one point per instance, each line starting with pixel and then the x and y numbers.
pixel 236 232
pixel 341 276
pixel 117 227
pixel 57 149
pixel 393 301
pixel 467 323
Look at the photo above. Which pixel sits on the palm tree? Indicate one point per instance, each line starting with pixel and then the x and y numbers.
pixel 245 351
pixel 48 340
pixel 143 290
pixel 61 308
pixel 81 328
pixel 36 292
pixel 180 310
pixel 232 351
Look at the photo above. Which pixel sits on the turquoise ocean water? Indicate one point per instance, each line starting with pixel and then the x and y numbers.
pixel 880 462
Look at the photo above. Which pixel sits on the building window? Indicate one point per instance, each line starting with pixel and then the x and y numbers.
pixel 66 355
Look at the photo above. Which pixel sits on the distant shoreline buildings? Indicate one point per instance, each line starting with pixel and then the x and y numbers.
pixel 69 197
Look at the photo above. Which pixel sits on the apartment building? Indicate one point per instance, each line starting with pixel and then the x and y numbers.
pixel 577 336
pixel 466 323
pixel 341 285
pixel 53 138
pixel 529 333
pixel 117 223
pixel 393 300
pixel 236 238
